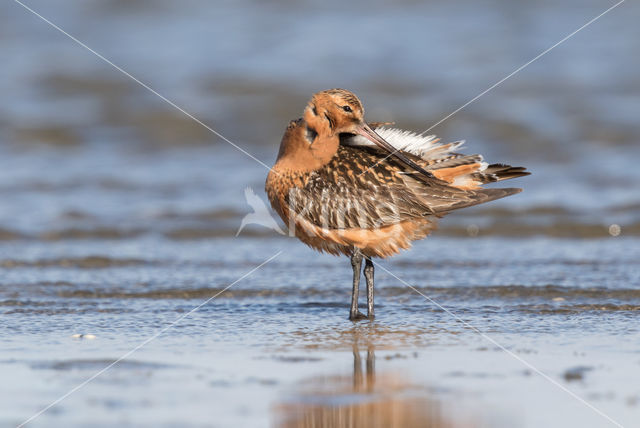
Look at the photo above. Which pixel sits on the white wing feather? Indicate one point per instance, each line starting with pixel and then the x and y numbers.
pixel 427 147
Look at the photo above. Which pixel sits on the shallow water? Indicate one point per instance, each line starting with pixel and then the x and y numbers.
pixel 118 217
pixel 276 347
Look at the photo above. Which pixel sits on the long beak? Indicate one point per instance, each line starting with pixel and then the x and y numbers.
pixel 371 135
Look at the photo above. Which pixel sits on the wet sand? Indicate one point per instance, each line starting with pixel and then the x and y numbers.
pixel 276 348
pixel 118 216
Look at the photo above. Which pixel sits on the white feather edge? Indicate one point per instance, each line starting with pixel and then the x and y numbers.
pixel 424 146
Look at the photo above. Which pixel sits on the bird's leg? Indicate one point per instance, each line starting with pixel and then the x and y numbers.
pixel 368 274
pixel 356 263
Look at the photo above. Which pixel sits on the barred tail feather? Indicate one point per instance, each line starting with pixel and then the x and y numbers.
pixel 498 172
pixel 479 197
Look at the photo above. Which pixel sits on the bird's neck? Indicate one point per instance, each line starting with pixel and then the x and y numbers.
pixel 306 147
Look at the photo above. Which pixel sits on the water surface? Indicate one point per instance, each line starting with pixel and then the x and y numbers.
pixel 118 216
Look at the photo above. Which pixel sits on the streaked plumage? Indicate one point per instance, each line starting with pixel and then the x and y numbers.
pixel 345 189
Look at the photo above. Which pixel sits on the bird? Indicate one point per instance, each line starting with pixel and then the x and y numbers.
pixel 368 190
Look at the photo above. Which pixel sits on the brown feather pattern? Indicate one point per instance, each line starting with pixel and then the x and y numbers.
pixel 337 197
pixel 348 203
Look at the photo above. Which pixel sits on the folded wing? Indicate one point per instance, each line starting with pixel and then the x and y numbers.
pixel 365 188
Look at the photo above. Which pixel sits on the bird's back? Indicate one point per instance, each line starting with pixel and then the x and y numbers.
pixel 366 198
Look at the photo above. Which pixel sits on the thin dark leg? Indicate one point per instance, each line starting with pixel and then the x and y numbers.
pixel 356 263
pixel 368 274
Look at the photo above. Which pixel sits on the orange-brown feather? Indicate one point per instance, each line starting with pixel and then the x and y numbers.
pixel 457 176
pixel 379 242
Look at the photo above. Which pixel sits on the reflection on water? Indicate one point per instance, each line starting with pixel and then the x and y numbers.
pixel 118 214
pixel 364 399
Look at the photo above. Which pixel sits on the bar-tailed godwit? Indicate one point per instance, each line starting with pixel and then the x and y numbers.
pixel 344 188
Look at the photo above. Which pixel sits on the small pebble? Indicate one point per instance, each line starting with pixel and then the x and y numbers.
pixel 472 230
pixel 615 229
pixel 83 336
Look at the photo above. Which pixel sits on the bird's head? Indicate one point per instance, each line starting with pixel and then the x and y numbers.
pixel 334 111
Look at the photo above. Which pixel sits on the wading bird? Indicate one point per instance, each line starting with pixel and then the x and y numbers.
pixel 344 188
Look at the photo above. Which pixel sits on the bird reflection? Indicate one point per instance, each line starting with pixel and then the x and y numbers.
pixel 364 399
pixel 366 383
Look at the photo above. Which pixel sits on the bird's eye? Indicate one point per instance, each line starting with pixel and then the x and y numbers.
pixel 347 108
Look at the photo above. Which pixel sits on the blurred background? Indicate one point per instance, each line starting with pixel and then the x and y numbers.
pixel 79 133
pixel 118 212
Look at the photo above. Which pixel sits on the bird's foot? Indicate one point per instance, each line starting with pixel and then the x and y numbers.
pixel 358 316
